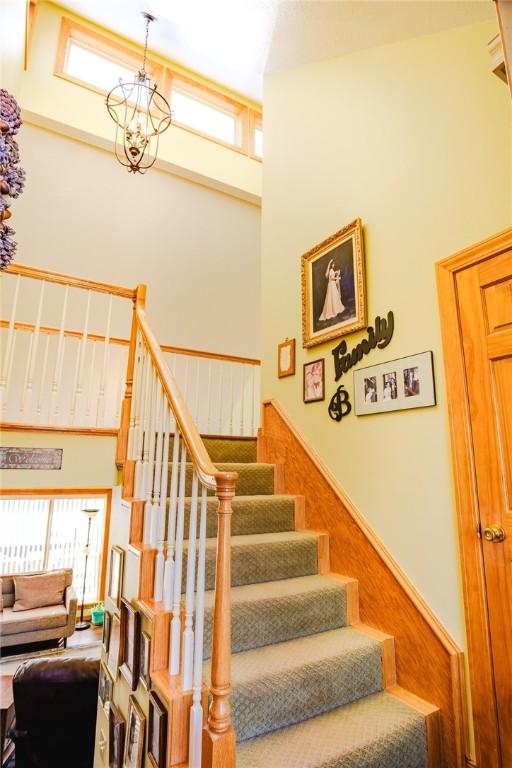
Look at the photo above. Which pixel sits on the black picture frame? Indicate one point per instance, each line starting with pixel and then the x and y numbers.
pixel 157 732
pixel 130 643
pixel 105 687
pixel 311 392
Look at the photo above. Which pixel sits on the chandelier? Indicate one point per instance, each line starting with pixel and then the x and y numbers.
pixel 141 114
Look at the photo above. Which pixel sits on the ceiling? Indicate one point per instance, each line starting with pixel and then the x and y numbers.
pixel 234 42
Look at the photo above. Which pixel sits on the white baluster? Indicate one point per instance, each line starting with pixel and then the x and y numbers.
pixel 243 370
pixel 39 410
pixel 137 371
pixel 8 378
pixel 185 384
pixel 26 399
pixel 158 591
pixel 188 634
pixel 100 412
pixel 90 385
pixel 254 404
pixel 171 533
pixel 150 465
pixel 231 397
pixel 141 437
pixel 10 337
pixel 196 399
pixel 59 360
pixel 196 712
pixel 159 428
pixel 209 396
pixel 178 561
pixel 221 398
pixel 79 371
pixel 165 470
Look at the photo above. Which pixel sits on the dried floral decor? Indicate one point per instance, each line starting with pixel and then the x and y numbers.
pixel 12 176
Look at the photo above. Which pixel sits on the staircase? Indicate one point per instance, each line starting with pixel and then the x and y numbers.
pixel 311 686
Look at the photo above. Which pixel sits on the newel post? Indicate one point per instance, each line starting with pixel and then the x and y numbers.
pixel 219 742
pixel 139 300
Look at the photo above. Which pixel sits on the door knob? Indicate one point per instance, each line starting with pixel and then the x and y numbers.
pixel 494 533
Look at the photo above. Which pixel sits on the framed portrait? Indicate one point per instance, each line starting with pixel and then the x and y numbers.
pixel 134 741
pixel 396 385
pixel 286 358
pixel 115 575
pixel 114 646
pixel 144 668
pixel 314 381
pixel 105 687
pixel 116 729
pixel 107 623
pixel 334 287
pixel 130 642
pixel 157 732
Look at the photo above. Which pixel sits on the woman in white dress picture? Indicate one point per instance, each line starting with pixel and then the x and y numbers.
pixel 333 304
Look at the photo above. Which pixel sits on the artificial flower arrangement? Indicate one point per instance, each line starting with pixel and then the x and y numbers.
pixel 12 176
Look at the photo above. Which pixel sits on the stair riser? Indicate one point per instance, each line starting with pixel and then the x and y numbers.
pixel 248 518
pixel 282 700
pixel 253 480
pixel 263 562
pixel 274 621
pixel 224 451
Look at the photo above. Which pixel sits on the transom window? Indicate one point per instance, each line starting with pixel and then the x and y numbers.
pixel 97 62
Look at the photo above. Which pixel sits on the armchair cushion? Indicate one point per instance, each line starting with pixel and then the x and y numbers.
pixel 39 590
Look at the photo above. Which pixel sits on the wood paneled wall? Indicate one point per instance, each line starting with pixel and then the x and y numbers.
pixel 428 661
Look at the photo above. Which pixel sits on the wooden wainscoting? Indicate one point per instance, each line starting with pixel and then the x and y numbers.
pixel 428 661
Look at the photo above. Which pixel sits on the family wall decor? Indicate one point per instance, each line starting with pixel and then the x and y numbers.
pixel 395 385
pixel 379 337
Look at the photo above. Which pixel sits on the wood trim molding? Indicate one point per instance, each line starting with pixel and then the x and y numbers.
pixel 11 426
pixel 356 552
pixel 213 355
pixel 15 268
pixel 485 719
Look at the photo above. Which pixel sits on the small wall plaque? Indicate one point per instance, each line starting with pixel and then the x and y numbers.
pixel 30 458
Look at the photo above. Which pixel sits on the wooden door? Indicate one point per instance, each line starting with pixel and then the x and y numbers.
pixel 480 399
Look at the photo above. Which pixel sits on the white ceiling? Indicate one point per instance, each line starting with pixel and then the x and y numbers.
pixel 234 42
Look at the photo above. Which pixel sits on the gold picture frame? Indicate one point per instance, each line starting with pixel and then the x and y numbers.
pixel 334 287
pixel 286 358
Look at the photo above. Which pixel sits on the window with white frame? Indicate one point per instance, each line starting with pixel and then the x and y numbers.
pixel 39 533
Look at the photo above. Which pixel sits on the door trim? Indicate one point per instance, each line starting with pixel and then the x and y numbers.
pixel 481 674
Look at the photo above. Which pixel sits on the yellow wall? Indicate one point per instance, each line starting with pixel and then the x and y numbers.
pixel 414 138
pixel 57 103
pixel 88 461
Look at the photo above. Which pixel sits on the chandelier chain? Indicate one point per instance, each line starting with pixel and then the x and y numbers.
pixel 146 45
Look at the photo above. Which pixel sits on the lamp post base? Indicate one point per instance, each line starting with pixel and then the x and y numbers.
pixel 82 625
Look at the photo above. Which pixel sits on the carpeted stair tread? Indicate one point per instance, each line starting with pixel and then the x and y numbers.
pixel 279 685
pixel 263 557
pixel 378 731
pixel 253 479
pixel 228 449
pixel 251 514
pixel 276 611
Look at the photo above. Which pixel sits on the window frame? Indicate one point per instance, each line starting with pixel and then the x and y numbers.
pixel 166 76
pixel 255 122
pixel 82 493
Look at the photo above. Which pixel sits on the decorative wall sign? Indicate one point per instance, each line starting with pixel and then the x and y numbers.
pixel 396 385
pixel 314 381
pixel 379 336
pixel 333 287
pixel 286 358
pixel 340 405
pixel 30 458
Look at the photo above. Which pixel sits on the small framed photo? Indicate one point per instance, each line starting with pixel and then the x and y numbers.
pixel 144 665
pixel 105 687
pixel 114 646
pixel 116 729
pixel 157 732
pixel 314 381
pixel 397 385
pixel 333 287
pixel 134 742
pixel 286 358
pixel 107 624
pixel 115 575
pixel 130 642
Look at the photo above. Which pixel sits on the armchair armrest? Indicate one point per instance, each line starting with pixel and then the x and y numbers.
pixel 70 601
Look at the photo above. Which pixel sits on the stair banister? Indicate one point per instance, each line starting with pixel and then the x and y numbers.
pixel 216 747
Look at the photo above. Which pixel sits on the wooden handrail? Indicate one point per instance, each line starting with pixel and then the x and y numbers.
pixel 210 355
pixel 63 279
pixel 207 472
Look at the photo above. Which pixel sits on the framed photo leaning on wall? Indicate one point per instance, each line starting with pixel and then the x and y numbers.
pixel 334 287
